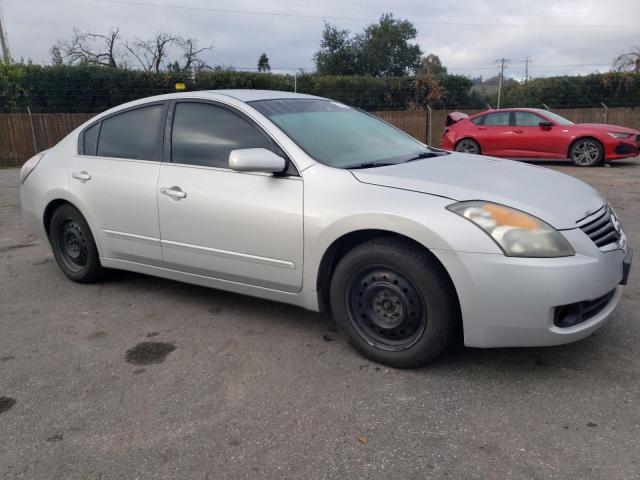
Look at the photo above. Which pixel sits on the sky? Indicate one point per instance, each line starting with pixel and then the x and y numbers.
pixel 559 36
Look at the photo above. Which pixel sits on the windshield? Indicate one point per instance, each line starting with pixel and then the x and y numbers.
pixel 341 136
pixel 556 118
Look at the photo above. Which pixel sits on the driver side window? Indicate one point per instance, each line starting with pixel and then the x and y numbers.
pixel 528 119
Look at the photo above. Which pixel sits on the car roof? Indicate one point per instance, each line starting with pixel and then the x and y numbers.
pixel 250 95
pixel 498 110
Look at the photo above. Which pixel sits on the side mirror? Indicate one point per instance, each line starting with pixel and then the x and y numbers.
pixel 256 160
pixel 546 124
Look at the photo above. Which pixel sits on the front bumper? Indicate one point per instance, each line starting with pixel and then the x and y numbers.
pixel 624 148
pixel 512 302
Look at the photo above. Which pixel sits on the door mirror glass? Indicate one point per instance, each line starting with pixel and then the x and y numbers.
pixel 256 160
pixel 546 124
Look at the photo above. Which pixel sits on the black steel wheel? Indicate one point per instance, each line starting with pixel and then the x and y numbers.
pixel 395 302
pixel 73 245
pixel 466 145
pixel 386 308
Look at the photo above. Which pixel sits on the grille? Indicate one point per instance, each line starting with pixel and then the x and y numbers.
pixel 601 227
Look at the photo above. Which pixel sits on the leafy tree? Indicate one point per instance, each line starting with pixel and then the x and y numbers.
pixel 382 49
pixel 431 65
pixel 56 56
pixel 337 54
pixel 263 63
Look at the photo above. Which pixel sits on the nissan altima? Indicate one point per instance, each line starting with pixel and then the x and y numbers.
pixel 304 200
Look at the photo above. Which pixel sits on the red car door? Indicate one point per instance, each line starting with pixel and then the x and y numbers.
pixel 535 140
pixel 494 134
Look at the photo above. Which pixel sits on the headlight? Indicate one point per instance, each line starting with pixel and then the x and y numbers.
pixel 619 135
pixel 518 234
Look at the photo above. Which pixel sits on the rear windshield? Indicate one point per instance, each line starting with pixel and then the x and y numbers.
pixel 340 136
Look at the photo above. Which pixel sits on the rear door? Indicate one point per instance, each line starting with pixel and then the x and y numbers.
pixel 236 226
pixel 494 133
pixel 114 177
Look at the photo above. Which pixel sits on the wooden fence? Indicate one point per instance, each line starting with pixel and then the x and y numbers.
pixel 17 142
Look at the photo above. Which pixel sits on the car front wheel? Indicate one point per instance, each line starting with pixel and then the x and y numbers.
pixel 73 245
pixel 586 153
pixel 395 302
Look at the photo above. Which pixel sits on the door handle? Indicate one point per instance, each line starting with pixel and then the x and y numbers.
pixel 482 128
pixel 518 130
pixel 82 176
pixel 174 192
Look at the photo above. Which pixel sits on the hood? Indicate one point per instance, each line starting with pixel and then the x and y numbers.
pixel 608 127
pixel 556 198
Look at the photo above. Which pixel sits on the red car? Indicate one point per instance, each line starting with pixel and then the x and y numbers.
pixel 532 133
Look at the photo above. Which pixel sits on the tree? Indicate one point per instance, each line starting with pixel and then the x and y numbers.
pixel 431 65
pixel 151 54
pixel 91 48
pixel 337 54
pixel 56 56
pixel 384 48
pixel 629 61
pixel 263 63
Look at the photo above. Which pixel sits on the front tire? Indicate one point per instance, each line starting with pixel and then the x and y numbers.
pixel 586 152
pixel 395 302
pixel 73 245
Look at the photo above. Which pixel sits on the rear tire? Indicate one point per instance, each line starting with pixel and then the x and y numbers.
pixel 73 245
pixel 395 302
pixel 466 145
pixel 586 152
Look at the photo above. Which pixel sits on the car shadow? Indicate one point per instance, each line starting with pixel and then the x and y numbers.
pixel 528 362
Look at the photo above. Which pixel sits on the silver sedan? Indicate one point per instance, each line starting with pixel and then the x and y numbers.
pixel 304 200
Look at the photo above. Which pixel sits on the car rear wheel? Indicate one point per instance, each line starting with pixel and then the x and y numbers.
pixel 395 303
pixel 466 145
pixel 73 245
pixel 586 153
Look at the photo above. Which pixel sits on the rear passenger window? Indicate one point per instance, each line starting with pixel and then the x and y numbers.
pixel 479 120
pixel 91 139
pixel 131 134
pixel 497 119
pixel 205 134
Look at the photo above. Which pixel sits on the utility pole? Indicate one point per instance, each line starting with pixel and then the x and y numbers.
pixel 526 61
pixel 502 62
pixel 6 56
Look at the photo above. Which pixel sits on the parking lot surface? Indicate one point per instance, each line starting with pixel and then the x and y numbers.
pixel 236 387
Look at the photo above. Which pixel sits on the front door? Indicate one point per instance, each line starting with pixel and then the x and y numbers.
pixel 235 226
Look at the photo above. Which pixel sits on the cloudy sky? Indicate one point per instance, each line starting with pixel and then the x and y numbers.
pixel 559 36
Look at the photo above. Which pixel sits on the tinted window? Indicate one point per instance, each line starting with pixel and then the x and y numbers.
pixel 497 119
pixel 528 119
pixel 204 134
pixel 479 120
pixel 91 139
pixel 132 134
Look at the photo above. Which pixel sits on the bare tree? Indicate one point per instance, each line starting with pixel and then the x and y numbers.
pixel 91 48
pixel 191 53
pixel 151 54
pixel 628 62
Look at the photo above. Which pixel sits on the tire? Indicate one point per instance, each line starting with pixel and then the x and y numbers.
pixel 73 245
pixel 395 303
pixel 466 145
pixel 586 152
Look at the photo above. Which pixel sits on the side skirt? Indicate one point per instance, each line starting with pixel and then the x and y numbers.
pixel 307 299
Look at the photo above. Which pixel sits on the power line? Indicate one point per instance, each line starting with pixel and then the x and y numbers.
pixel 332 17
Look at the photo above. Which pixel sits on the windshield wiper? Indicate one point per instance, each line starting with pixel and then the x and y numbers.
pixel 369 165
pixel 422 155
